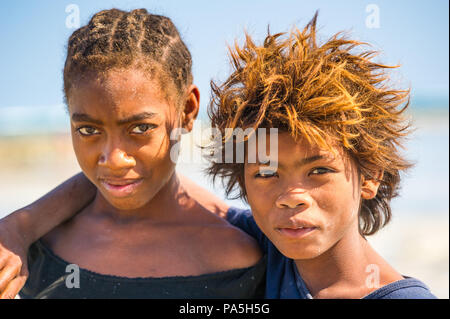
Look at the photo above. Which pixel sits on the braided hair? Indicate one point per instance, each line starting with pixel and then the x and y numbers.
pixel 115 38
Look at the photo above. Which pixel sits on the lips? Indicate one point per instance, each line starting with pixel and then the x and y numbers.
pixel 120 187
pixel 297 230
pixel 296 233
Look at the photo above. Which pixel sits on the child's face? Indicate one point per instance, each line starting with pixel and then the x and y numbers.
pixel 310 188
pixel 121 128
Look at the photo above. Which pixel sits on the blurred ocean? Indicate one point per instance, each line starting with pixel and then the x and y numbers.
pixel 36 155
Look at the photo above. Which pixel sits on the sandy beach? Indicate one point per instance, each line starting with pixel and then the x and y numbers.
pixel 417 245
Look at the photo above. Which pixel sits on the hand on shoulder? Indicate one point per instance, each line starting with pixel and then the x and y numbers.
pixel 13 260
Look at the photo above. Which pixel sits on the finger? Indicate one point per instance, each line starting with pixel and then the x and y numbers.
pixel 13 288
pixel 7 274
pixel 3 260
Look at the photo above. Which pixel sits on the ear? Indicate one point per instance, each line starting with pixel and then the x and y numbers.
pixel 369 187
pixel 191 105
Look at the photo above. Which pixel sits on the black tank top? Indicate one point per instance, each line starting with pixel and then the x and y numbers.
pixel 50 277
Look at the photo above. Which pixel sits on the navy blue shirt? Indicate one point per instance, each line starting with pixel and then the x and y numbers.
pixel 283 280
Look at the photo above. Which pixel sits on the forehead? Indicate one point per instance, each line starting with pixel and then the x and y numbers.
pixel 118 91
pixel 132 82
pixel 289 150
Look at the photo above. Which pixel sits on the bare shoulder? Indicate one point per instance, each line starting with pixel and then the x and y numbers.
pixel 227 247
pixel 239 250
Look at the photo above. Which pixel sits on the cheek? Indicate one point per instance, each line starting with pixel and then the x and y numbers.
pixel 153 159
pixel 338 204
pixel 86 154
pixel 261 200
pixel 253 190
pixel 155 152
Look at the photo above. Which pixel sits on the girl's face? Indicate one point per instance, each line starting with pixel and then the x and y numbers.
pixel 309 202
pixel 121 126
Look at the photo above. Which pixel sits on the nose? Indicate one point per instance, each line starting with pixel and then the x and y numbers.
pixel 116 159
pixel 293 198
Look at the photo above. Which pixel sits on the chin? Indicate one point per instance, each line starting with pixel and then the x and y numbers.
pixel 126 203
pixel 304 255
pixel 299 251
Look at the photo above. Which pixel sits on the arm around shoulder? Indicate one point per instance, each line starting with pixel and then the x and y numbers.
pixel 24 226
pixel 58 205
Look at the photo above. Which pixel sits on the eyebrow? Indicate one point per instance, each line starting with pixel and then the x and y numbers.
pixel 299 163
pixel 137 117
pixel 309 160
pixel 82 117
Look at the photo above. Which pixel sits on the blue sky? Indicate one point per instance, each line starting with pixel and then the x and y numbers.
pixel 33 34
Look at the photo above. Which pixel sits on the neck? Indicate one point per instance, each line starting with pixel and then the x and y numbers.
pixel 343 265
pixel 164 206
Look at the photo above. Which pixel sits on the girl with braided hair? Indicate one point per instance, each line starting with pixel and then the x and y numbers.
pixel 148 233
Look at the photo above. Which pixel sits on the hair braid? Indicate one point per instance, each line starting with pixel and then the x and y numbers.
pixel 115 38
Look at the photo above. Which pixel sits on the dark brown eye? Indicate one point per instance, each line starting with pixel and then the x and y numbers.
pixel 88 130
pixel 320 171
pixel 142 128
pixel 266 174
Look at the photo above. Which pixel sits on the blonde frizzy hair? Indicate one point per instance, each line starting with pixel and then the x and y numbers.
pixel 325 93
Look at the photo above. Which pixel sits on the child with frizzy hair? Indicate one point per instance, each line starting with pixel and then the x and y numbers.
pixel 340 125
